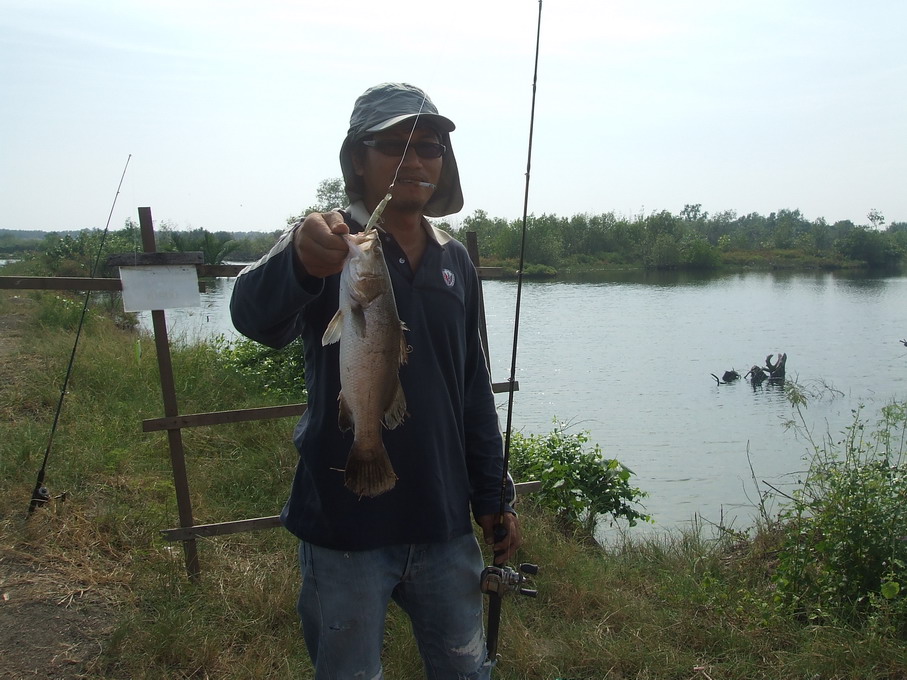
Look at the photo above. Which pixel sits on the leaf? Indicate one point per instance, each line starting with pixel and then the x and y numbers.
pixel 890 589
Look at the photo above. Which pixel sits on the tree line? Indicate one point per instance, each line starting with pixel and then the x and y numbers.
pixel 84 252
pixel 692 239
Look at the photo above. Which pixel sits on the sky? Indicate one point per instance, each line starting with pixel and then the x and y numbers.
pixel 231 112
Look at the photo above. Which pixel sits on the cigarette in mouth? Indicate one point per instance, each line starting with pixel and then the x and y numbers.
pixel 419 184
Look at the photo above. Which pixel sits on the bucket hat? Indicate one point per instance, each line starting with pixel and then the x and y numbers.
pixel 384 106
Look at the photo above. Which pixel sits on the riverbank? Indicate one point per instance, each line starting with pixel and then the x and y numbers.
pixel 90 589
pixel 731 262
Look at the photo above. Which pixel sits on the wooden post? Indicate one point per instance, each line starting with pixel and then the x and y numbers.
pixel 168 388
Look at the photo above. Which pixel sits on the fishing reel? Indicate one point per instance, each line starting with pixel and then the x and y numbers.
pixel 39 497
pixel 502 579
pixel 498 580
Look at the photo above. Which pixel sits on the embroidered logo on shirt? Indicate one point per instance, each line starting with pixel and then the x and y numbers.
pixel 449 277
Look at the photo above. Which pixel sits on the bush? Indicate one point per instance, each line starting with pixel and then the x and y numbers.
pixel 698 254
pixel 279 372
pixel 539 271
pixel 63 311
pixel 843 556
pixel 579 485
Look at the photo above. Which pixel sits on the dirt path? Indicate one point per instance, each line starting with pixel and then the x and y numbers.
pixel 50 627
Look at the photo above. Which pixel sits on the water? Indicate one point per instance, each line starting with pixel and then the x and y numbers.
pixel 628 358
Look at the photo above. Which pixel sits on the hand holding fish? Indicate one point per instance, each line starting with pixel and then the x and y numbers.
pixel 317 244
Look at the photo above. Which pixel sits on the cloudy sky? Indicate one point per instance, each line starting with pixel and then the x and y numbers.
pixel 233 110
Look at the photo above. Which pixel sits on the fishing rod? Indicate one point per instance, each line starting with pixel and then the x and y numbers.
pixel 41 495
pixel 499 579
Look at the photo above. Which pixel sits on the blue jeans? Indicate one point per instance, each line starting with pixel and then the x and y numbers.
pixel 344 598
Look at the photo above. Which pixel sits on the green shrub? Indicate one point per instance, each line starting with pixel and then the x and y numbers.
pixel 579 484
pixel 698 254
pixel 844 554
pixel 539 271
pixel 279 372
pixel 63 311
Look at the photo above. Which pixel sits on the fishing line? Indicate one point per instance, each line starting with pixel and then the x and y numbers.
pixel 408 141
pixel 41 495
pixel 376 215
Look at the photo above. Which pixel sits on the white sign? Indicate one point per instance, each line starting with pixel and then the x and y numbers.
pixel 159 287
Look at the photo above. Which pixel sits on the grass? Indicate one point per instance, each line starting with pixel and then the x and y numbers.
pixel 676 606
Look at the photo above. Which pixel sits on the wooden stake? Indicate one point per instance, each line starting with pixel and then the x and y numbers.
pixel 174 436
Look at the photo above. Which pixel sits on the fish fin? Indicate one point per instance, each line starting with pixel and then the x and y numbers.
pixel 396 410
pixel 358 320
pixel 332 332
pixel 368 289
pixel 369 471
pixel 404 348
pixel 344 414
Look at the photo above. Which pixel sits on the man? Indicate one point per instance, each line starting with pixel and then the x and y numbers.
pixel 415 542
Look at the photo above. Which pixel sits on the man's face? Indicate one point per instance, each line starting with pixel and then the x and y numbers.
pixel 377 164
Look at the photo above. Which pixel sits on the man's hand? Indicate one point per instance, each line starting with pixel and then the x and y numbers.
pixel 506 548
pixel 320 245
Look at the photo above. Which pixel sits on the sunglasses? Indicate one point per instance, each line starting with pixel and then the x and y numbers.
pixel 397 147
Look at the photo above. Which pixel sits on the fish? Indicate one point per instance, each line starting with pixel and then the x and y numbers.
pixel 372 349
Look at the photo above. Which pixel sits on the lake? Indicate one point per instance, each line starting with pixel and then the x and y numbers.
pixel 627 356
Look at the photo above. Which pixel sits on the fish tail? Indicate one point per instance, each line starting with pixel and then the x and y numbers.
pixel 369 471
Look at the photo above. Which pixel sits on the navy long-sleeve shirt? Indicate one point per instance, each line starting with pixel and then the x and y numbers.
pixel 447 453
